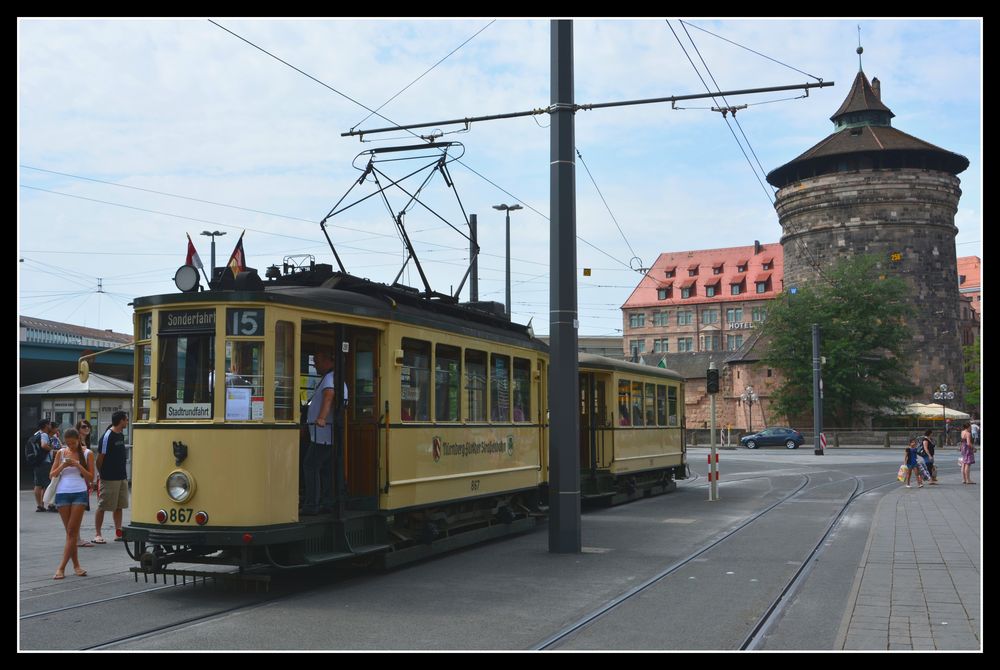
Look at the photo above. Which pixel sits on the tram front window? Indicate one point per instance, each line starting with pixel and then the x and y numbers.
pixel 184 390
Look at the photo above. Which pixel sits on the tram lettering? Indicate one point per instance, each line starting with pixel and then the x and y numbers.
pixel 182 515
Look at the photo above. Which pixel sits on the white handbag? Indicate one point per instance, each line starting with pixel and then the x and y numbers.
pixel 49 496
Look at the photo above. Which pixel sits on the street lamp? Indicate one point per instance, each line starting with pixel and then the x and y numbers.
pixel 213 235
pixel 749 396
pixel 944 394
pixel 507 209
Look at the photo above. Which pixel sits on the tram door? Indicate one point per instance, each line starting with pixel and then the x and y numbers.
pixel 592 411
pixel 360 365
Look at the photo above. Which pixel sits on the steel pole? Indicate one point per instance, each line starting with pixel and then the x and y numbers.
pixel 474 255
pixel 713 491
pixel 564 443
pixel 508 263
pixel 817 400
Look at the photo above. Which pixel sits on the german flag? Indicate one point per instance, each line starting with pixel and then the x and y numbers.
pixel 237 261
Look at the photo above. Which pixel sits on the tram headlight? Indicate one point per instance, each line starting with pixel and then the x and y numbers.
pixel 180 486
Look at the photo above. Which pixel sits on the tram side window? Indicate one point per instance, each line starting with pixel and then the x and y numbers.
pixel 415 381
pixel 637 404
pixel 650 405
pixel 661 404
pixel 284 370
pixel 624 402
pixel 244 381
pixel 475 384
pixel 522 389
pixel 185 388
pixel 500 387
pixel 672 405
pixel 447 382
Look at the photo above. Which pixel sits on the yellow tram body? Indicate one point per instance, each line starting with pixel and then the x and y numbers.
pixel 444 423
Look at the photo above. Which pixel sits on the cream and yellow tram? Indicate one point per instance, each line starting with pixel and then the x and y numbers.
pixel 631 430
pixel 440 408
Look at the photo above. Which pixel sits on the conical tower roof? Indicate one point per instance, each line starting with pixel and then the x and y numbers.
pixel 865 137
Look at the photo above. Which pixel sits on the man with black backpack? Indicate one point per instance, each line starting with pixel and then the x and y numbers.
pixel 926 452
pixel 37 453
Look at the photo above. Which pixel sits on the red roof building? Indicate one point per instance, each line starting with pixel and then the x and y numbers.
pixel 969 282
pixel 704 300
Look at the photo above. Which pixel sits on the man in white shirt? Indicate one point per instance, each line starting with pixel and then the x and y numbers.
pixel 325 448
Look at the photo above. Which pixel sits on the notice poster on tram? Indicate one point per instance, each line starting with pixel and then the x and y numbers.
pixel 257 408
pixel 238 403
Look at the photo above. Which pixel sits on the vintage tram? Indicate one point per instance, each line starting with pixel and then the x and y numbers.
pixel 441 409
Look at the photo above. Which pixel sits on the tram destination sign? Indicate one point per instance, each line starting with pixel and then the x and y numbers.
pixel 188 321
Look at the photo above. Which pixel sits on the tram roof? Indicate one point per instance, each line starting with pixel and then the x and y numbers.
pixel 377 302
pixel 605 363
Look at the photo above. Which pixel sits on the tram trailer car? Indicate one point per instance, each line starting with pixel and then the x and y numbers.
pixel 441 409
pixel 631 430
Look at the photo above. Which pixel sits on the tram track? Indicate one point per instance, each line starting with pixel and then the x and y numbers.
pixel 611 605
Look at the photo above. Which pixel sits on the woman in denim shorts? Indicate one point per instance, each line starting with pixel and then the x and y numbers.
pixel 75 469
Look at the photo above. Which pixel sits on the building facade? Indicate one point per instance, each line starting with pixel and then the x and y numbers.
pixel 701 301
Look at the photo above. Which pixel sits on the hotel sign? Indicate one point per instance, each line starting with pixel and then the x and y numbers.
pixel 741 326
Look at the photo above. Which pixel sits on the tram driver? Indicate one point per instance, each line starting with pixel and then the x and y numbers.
pixel 326 447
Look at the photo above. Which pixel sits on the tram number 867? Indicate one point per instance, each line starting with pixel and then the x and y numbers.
pixel 180 515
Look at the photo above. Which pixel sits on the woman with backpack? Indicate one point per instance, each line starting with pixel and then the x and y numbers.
pixel 75 468
pixel 926 451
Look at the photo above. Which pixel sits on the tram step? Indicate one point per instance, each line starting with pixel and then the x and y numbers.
pixel 362 550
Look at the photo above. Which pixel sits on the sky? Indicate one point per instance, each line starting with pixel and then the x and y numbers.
pixel 133 133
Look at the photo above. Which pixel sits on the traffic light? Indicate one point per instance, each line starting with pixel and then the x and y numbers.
pixel 713 380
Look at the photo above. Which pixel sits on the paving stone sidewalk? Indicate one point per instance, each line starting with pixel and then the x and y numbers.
pixel 919 583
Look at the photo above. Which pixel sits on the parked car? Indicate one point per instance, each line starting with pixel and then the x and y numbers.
pixel 773 436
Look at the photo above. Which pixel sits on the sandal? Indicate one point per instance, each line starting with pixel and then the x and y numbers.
pixel 59 575
pixel 85 544
pixel 80 572
pixel 99 540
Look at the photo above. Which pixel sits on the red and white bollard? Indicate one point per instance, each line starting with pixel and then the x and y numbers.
pixel 713 477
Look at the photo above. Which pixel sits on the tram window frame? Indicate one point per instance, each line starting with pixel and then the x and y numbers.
pixel 237 379
pixel 284 402
pixel 650 404
pixel 500 412
pixel 167 384
pixel 661 404
pixel 447 407
pixel 414 376
pixel 672 409
pixel 475 386
pixel 637 404
pixel 521 389
pixel 624 402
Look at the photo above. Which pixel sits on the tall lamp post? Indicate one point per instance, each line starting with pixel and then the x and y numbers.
pixel 505 208
pixel 213 235
pixel 749 396
pixel 943 394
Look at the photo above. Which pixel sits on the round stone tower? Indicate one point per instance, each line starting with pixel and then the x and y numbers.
pixel 871 189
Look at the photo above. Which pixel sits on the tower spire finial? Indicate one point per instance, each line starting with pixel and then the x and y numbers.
pixel 860 50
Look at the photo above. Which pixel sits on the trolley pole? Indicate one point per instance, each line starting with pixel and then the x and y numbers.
pixel 564 381
pixel 817 394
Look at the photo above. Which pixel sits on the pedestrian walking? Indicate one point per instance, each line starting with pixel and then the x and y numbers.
pixel 968 454
pixel 83 428
pixel 926 452
pixel 112 495
pixel 75 468
pixel 41 462
pixel 975 433
pixel 910 461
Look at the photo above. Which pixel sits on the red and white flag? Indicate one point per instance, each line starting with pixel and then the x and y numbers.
pixel 193 258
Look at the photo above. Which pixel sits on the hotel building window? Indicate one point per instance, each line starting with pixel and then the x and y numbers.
pixel 759 313
pixel 685 344
pixel 660 319
pixel 661 346
pixel 734 315
pixel 734 342
pixel 685 317
pixel 709 316
pixel 636 320
pixel 710 342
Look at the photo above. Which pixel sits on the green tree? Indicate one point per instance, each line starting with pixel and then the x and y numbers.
pixel 972 365
pixel 863 332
